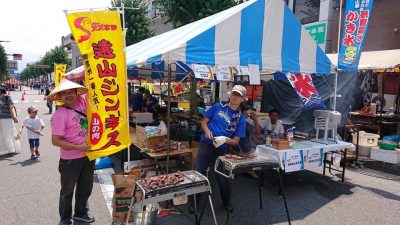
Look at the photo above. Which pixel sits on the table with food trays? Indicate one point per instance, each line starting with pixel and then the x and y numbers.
pixel 167 187
pixel 307 155
pixel 231 164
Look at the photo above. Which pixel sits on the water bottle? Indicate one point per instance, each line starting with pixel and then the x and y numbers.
pixel 290 134
pixel 268 140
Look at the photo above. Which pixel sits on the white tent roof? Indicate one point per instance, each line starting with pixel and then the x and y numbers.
pixel 262 32
pixel 375 60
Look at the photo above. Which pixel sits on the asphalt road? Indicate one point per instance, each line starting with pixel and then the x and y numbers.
pixel 29 190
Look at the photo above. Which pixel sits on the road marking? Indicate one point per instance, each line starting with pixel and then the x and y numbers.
pixel 106 185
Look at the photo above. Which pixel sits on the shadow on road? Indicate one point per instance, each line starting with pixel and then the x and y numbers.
pixel 80 223
pixel 26 162
pixel 5 157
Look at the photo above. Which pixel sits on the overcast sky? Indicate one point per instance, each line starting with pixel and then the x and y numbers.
pixel 36 26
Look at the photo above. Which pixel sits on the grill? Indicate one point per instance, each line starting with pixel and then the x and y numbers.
pixel 193 183
pixel 228 167
pixel 234 166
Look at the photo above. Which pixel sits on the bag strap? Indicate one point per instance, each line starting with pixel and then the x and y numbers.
pixel 79 112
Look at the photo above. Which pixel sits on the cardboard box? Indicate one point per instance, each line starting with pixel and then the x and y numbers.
pixel 385 155
pixel 191 160
pixel 148 142
pixel 143 117
pixel 280 144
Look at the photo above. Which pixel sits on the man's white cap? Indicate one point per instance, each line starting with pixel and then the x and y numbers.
pixel 240 90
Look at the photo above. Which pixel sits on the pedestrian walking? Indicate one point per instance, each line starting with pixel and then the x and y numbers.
pixel 34 126
pixel 49 102
pixel 8 119
pixel 69 131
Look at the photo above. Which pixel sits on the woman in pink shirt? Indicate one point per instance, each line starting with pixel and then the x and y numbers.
pixel 69 131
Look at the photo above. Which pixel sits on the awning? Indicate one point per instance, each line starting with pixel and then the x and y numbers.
pixel 263 32
pixel 375 60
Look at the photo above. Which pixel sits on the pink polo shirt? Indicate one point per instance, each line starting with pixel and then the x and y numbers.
pixel 67 123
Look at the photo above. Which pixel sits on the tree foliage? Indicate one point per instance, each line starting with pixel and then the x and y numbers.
pixel 136 21
pixel 3 63
pixel 57 55
pixel 182 12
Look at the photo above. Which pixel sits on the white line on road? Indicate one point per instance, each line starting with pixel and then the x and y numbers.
pixel 106 185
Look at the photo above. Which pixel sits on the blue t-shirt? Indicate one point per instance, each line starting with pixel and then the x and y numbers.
pixel 153 102
pixel 137 102
pixel 225 121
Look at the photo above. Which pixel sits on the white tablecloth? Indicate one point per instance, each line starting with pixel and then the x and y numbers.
pixel 307 157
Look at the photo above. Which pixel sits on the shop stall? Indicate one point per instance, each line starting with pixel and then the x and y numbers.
pixel 377 117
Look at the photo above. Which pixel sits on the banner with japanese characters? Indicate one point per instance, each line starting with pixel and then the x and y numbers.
pixel 305 89
pixel 356 18
pixel 59 73
pixel 99 37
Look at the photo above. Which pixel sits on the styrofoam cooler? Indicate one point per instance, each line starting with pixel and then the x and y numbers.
pixel 385 155
pixel 365 139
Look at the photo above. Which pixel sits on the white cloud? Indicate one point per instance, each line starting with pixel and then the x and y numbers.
pixel 36 26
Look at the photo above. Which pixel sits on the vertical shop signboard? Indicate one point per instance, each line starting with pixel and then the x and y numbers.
pixel 59 71
pixel 356 18
pixel 99 37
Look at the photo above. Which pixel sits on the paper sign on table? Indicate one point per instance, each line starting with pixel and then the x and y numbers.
pixel 293 160
pixel 313 158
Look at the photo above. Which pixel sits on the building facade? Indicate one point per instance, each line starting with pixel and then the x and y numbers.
pixel 321 19
pixel 69 44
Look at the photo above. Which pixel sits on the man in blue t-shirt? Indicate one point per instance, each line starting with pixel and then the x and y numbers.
pixel 223 125
pixel 138 102
pixel 151 104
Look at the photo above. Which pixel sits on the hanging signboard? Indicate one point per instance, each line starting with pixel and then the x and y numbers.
pixel 305 89
pixel 99 37
pixel 224 73
pixel 243 70
pixel 355 27
pixel 203 72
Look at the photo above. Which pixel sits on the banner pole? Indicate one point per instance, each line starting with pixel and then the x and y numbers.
pixel 126 84
pixel 338 46
pixel 168 115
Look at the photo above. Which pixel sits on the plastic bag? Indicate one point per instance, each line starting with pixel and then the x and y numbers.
pixel 163 128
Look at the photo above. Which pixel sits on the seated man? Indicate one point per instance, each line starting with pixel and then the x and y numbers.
pixel 273 125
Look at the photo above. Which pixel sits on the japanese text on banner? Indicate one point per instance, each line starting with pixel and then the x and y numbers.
pixel 355 27
pixel 100 40
pixel 59 71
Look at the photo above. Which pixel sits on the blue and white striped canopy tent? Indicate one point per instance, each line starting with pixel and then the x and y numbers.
pixel 263 32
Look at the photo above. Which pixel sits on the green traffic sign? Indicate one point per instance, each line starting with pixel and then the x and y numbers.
pixel 317 31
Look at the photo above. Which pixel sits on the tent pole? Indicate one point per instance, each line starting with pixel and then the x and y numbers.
pixel 168 116
pixel 338 47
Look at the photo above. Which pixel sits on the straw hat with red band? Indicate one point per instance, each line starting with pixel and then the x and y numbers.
pixel 64 85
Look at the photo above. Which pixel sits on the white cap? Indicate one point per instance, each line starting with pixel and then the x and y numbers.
pixel 240 90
